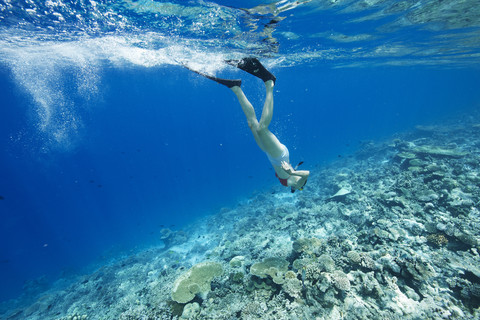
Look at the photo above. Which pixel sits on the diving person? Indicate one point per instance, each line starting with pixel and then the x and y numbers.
pixel 276 152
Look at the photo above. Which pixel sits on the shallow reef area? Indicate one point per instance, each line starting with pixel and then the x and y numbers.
pixel 391 232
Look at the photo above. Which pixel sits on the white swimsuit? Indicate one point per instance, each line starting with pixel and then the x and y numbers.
pixel 285 156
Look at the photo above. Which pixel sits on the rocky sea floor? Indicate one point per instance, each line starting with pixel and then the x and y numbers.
pixel 391 232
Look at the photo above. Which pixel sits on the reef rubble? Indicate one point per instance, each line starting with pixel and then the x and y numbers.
pixel 400 241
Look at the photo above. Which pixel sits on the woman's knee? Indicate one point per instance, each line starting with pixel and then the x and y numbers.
pixel 253 125
pixel 262 126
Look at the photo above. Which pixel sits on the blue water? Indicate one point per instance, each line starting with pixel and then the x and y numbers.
pixel 105 139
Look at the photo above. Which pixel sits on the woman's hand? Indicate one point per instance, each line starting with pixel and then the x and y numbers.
pixel 287 167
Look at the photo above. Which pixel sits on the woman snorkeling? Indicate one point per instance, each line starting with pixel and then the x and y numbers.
pixel 276 152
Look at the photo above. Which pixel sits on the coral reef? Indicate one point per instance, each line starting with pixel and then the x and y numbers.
pixel 401 241
pixel 273 267
pixel 195 281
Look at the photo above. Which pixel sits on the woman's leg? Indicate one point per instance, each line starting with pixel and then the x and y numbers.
pixel 269 141
pixel 249 112
pixel 266 140
pixel 267 112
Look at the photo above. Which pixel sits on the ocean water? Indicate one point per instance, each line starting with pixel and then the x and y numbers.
pixel 106 138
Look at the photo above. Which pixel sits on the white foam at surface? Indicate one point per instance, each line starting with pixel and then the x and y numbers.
pixel 41 69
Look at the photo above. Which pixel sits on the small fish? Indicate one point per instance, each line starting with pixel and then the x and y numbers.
pixel 2 198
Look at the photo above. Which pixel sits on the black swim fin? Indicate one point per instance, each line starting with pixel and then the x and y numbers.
pixel 226 82
pixel 254 67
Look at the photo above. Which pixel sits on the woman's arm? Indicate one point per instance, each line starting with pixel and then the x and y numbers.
pixel 300 173
pixel 288 169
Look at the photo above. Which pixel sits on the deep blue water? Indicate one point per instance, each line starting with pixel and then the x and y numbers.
pixel 144 147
